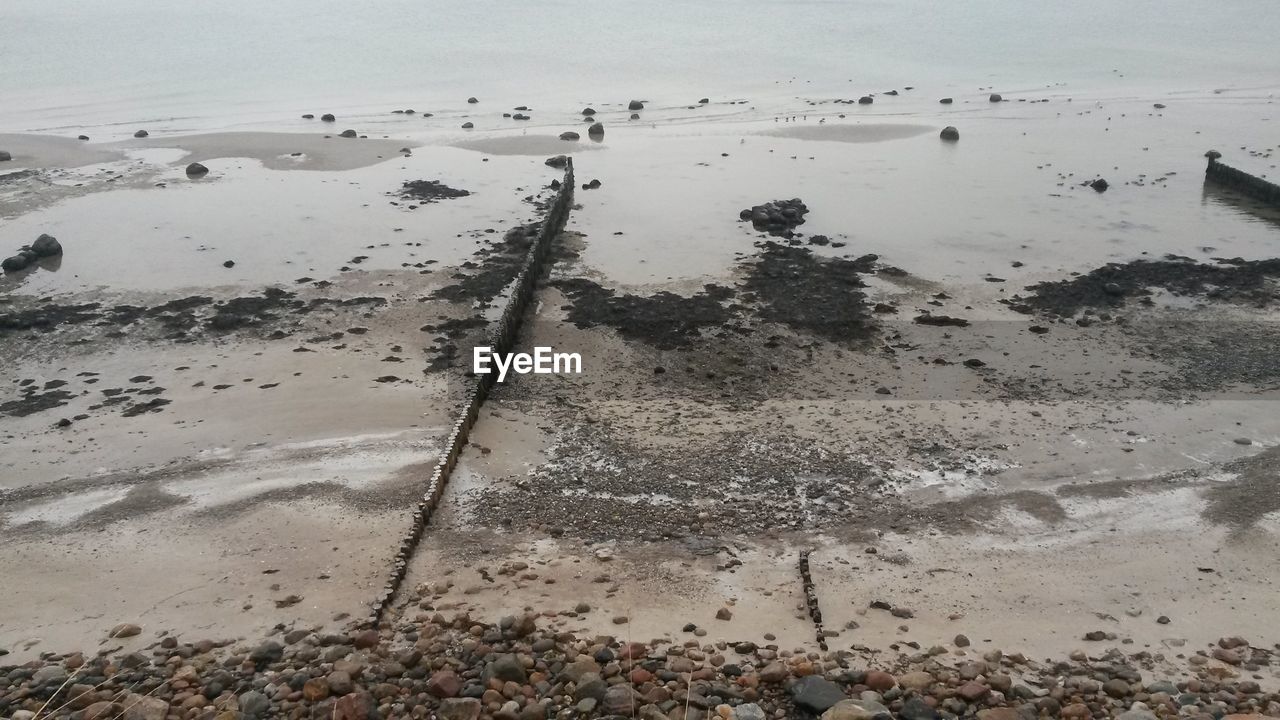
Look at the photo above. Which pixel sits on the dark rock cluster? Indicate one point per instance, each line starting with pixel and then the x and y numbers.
pixel 778 217
pixel 44 246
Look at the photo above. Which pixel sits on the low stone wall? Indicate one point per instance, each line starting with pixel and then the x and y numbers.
pixel 502 339
pixel 1254 187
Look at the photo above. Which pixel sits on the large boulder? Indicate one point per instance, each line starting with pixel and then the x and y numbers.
pixel 46 246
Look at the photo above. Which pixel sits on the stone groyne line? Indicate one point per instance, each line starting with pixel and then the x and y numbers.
pixel 502 339
pixel 1251 185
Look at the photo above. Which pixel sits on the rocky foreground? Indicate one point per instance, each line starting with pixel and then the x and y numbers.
pixel 461 669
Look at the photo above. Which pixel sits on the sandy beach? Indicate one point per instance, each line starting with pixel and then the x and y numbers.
pixel 855 398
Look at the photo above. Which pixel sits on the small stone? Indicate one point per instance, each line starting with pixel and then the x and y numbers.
pixel 950 133
pixel 141 134
pixel 946 101
pixel 195 169
pixel 5 156
pixel 866 100
pixel 468 125
pixel 254 704
pixel 1099 185
pixel 961 641
pixel 724 614
pixel 347 134
pixel 635 105
pixel 328 117
pixel 596 130
pixel 472 100
pixel 569 135
pixel 995 97
pixel 124 630
pixel 459 709
pixel 880 681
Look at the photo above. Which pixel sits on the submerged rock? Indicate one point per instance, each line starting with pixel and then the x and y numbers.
pixel 569 135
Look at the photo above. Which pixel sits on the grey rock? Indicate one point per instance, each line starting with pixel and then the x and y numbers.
pixel 596 130
pixel 328 117
pixel 995 97
pixel 569 135
pixel 917 709
pixel 472 100
pixel 950 133
pixel 141 134
pixel 467 125
pixel 506 668
pixel 197 170
pixel 5 156
pixel 347 134
pixel 946 101
pixel 254 704
pixel 635 105
pixel 816 694
pixel 459 709
pixel 49 675
pixel 269 651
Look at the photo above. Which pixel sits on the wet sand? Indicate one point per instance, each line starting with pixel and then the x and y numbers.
pixel 1026 495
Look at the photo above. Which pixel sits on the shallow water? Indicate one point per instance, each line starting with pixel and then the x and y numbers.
pixel 83 64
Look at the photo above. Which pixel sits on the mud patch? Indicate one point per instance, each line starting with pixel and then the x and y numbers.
pixel 808 293
pixel 33 401
pixel 497 268
pixel 428 191
pixel 1254 494
pixel 175 318
pixel 664 320
pixel 1245 282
